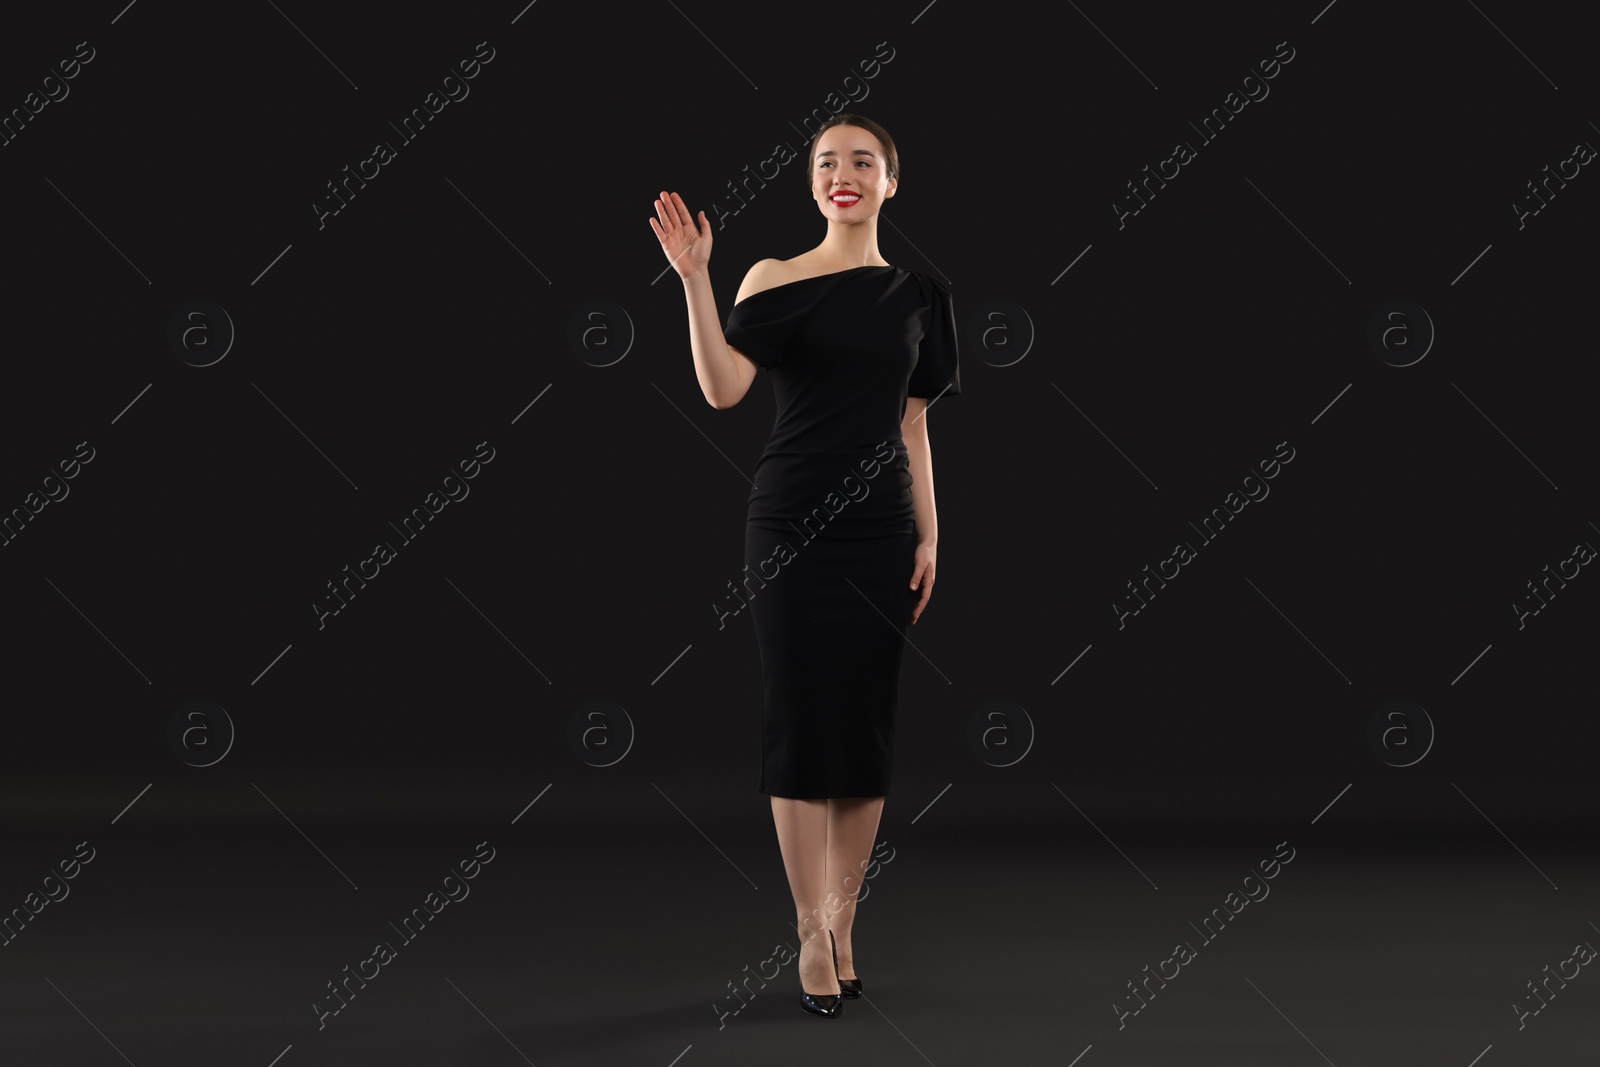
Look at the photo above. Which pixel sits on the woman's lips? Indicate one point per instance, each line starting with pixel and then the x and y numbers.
pixel 845 199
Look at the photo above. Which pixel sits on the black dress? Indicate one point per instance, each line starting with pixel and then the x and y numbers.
pixel 830 533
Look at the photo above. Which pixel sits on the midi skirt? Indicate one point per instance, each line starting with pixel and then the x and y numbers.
pixel 831 616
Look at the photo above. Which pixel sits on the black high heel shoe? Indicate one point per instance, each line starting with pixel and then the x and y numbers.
pixel 827 1005
pixel 849 988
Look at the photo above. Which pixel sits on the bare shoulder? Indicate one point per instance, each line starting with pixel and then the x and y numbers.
pixel 763 274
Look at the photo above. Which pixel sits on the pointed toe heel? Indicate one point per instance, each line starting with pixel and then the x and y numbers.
pixel 824 1004
pixel 849 988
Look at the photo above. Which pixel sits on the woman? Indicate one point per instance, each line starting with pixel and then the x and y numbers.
pixel 841 531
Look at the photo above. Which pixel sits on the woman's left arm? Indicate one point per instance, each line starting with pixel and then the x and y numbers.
pixel 914 431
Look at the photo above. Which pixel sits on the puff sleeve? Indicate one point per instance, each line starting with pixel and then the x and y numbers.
pixel 760 327
pixel 937 365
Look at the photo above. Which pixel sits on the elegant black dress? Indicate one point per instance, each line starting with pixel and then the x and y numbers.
pixel 830 533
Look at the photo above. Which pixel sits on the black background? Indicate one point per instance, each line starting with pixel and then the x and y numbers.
pixel 1178 351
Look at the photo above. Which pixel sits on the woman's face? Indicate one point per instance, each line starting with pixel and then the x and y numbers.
pixel 849 160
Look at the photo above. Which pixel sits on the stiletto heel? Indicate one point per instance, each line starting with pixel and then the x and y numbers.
pixel 827 1005
pixel 849 988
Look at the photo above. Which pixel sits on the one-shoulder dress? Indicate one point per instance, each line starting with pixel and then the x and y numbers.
pixel 830 531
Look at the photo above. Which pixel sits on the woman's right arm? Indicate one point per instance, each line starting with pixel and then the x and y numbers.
pixel 725 373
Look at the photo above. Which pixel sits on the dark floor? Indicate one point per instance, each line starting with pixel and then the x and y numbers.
pixel 616 943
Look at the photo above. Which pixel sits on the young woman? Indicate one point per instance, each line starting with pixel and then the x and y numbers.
pixel 841 532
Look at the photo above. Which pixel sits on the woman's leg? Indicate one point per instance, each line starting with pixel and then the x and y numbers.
pixel 803 839
pixel 852 829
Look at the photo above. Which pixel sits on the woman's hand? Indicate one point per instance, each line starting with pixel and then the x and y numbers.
pixel 687 248
pixel 922 577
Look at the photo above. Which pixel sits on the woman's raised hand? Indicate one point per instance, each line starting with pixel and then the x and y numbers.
pixel 687 247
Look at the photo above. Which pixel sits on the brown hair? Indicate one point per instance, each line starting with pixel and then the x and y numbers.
pixel 891 158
